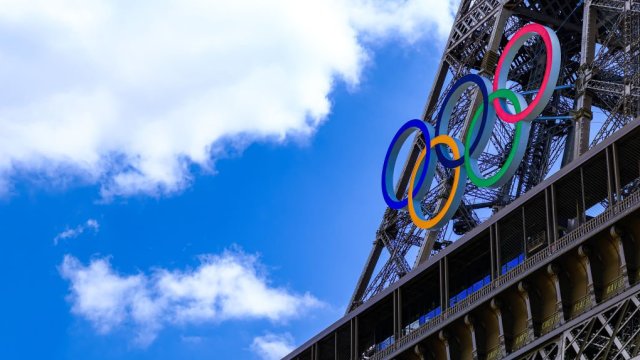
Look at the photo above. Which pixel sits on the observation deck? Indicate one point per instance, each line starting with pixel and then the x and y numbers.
pixel 554 273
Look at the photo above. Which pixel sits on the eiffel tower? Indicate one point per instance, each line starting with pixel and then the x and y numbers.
pixel 547 266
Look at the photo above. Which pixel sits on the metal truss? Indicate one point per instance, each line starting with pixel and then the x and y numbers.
pixel 613 78
pixel 600 73
pixel 611 334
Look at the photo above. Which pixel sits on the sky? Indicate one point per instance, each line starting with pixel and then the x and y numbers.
pixel 196 179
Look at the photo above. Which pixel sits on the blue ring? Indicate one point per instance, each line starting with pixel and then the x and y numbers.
pixel 445 160
pixel 392 154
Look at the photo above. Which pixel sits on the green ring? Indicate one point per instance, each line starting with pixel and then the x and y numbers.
pixel 478 180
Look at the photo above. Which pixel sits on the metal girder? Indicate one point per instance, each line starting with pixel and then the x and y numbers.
pixel 467 25
pixel 548 15
pixel 612 334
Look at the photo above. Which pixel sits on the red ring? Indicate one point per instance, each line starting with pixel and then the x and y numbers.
pixel 530 28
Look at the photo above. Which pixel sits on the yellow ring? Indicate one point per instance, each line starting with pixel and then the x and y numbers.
pixel 435 221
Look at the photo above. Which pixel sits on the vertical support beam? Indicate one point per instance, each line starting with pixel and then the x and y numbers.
pixel 496 232
pixel 524 231
pixel 444 283
pixel 548 212
pixel 396 313
pixel 335 345
pixel 616 171
pixel 583 114
pixel 610 180
pixel 554 214
pixel 399 314
pixel 493 252
pixel 354 338
pixel 356 342
pixel 582 207
pixel 352 347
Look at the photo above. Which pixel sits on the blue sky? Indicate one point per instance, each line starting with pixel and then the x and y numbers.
pixel 109 252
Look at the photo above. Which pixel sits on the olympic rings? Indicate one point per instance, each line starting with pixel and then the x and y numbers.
pixel 465 156
pixel 516 153
pixel 442 126
pixel 549 80
pixel 392 155
pixel 457 189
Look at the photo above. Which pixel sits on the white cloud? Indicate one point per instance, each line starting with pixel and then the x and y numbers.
pixel 272 346
pixel 130 95
pixel 69 233
pixel 222 287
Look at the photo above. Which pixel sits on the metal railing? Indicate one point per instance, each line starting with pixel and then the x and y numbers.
pixel 619 208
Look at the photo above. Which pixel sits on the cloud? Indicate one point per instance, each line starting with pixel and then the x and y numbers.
pixel 69 233
pixel 134 96
pixel 193 340
pixel 223 287
pixel 272 346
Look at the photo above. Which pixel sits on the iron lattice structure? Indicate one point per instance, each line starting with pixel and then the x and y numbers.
pixel 598 92
pixel 611 334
